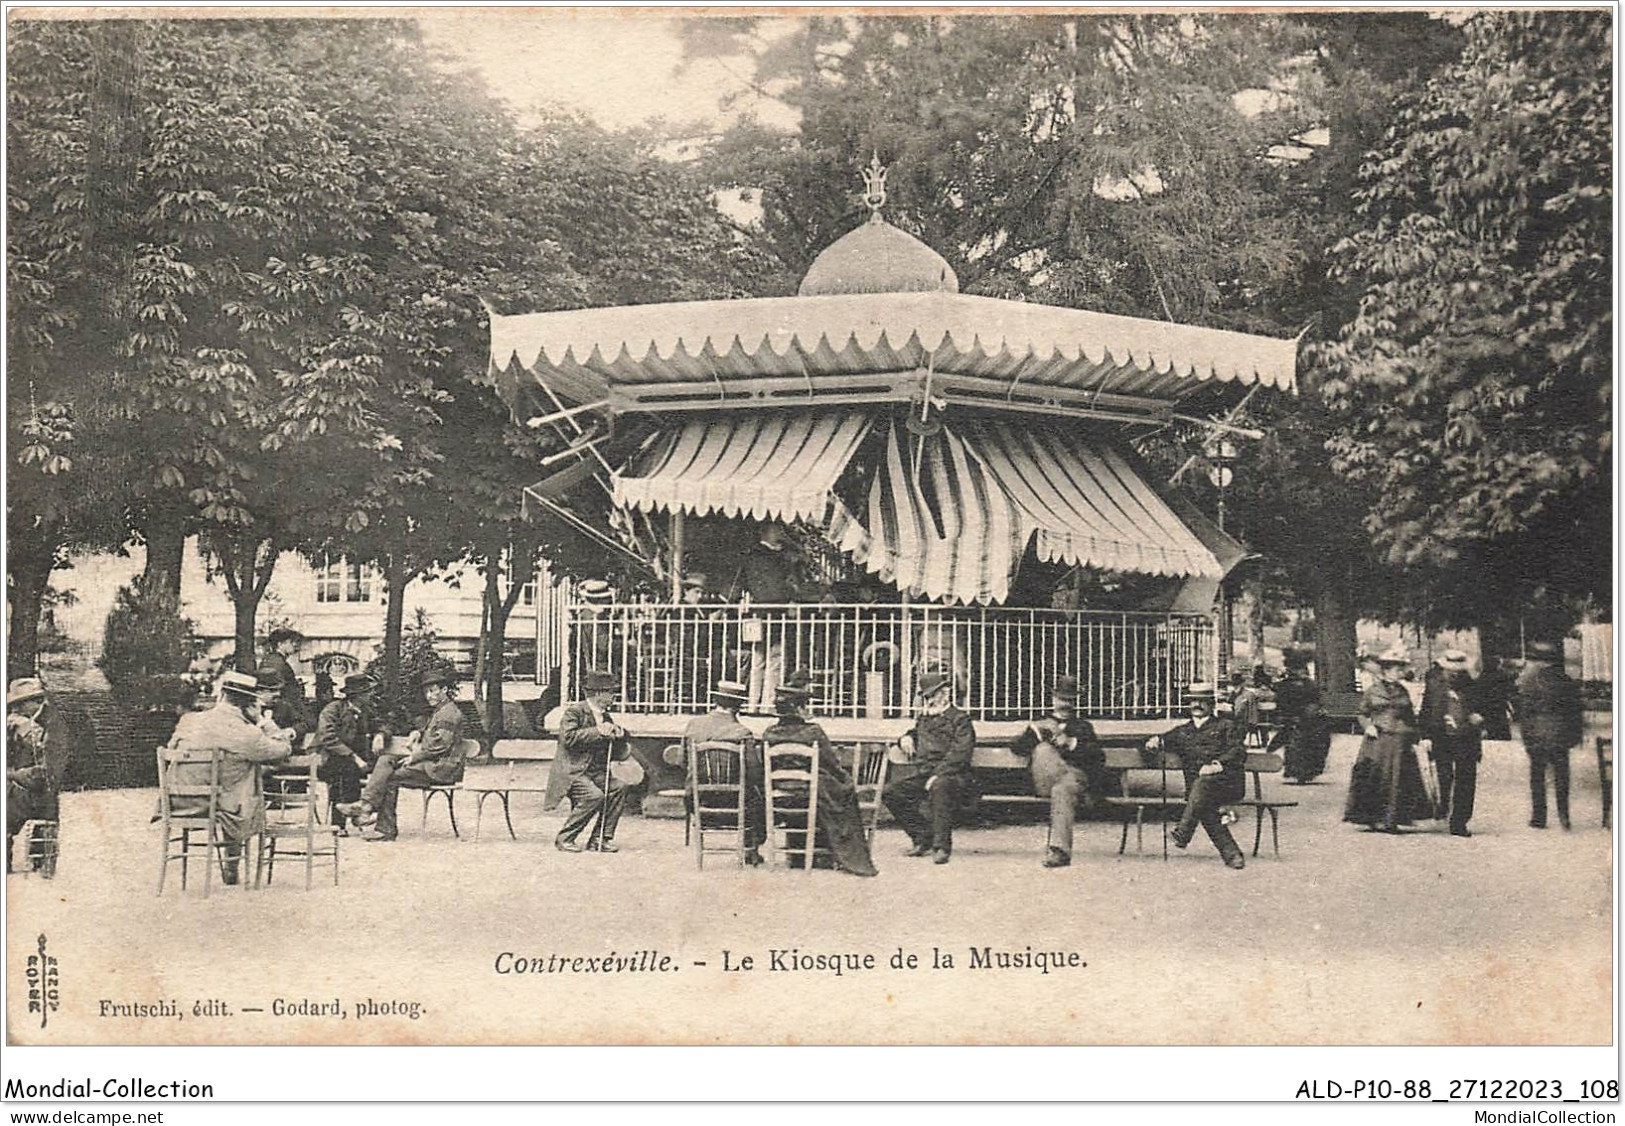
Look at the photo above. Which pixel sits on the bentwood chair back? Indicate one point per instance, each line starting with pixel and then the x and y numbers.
pixel 716 799
pixel 791 786
pixel 189 802
pixel 291 827
pixel 869 766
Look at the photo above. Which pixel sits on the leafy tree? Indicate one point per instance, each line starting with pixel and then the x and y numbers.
pixel 1473 383
pixel 1155 166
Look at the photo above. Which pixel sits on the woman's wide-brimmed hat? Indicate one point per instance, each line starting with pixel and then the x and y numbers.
pixel 1394 655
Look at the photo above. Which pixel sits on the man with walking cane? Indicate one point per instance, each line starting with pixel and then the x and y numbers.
pixel 1213 758
pixel 1453 735
pixel 589 740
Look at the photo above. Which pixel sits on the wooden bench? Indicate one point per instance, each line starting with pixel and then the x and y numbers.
pixel 1150 786
pixel 516 766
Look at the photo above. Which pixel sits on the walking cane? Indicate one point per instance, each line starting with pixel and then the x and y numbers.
pixel 603 807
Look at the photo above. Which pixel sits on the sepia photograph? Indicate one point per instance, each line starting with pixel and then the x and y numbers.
pixel 809 528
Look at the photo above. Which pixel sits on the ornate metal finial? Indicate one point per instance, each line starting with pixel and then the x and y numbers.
pixel 874 187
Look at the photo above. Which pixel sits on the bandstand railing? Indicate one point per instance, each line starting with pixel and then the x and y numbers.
pixel 863 657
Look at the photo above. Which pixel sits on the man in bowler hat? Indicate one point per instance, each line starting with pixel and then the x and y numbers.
pixel 433 757
pixel 1066 762
pixel 940 746
pixel 1213 757
pixel 589 738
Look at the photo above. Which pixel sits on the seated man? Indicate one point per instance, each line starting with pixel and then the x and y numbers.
pixel 589 738
pixel 721 725
pixel 1066 761
pixel 240 726
pixel 344 734
pixel 1213 758
pixel 433 757
pixel 940 747
pixel 31 785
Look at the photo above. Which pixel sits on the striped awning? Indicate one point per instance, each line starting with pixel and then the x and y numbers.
pixel 945 529
pixel 955 522
pixel 1088 506
pixel 779 465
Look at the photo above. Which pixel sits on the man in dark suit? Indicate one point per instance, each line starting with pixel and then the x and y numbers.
pixel 1066 761
pixel 940 747
pixel 1453 729
pixel 433 757
pixel 1551 718
pixel 344 732
pixel 589 738
pixel 1213 757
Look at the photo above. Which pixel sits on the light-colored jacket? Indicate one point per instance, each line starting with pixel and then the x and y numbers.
pixel 245 746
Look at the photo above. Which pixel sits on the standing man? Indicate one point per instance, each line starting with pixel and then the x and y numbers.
pixel 344 734
pixel 288 709
pixel 1454 732
pixel 1066 761
pixel 240 727
pixel 721 725
pixel 433 756
pixel 940 748
pixel 1551 717
pixel 589 738
pixel 1213 757
pixel 769 576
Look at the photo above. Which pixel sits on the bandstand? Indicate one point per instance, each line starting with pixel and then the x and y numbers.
pixel 927 440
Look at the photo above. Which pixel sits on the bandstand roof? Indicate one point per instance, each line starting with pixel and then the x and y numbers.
pixel 871 348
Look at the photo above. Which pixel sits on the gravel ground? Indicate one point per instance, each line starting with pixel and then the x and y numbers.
pixel 1347 938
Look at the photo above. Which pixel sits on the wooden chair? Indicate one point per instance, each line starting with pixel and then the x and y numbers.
pixel 869 766
pixel 716 798
pixel 676 754
pixel 1605 774
pixel 291 802
pixel 186 806
pixel 791 786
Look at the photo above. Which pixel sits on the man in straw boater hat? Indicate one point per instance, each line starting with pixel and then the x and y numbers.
pixel 721 725
pixel 1066 762
pixel 1453 736
pixel 433 756
pixel 344 734
pixel 239 727
pixel 589 738
pixel 1551 718
pixel 940 747
pixel 1213 758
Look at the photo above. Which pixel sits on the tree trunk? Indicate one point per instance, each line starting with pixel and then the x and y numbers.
pixel 164 529
pixel 1255 623
pixel 245 609
pixel 1335 639
pixel 247 564
pixel 30 575
pixel 396 576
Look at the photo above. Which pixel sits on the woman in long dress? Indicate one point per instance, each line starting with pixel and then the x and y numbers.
pixel 1386 788
pixel 839 821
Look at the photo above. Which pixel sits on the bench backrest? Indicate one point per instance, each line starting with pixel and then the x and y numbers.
pixel 525 750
